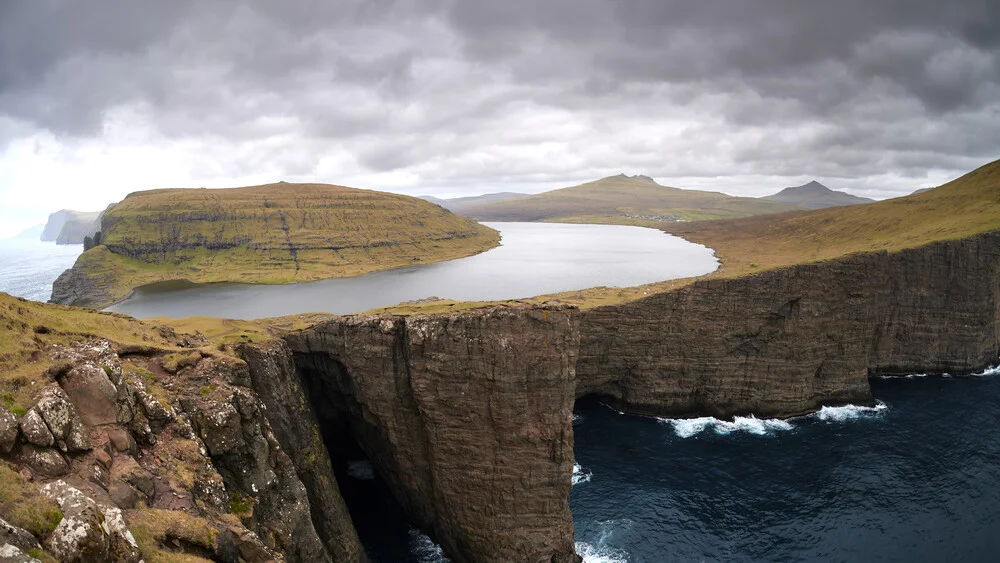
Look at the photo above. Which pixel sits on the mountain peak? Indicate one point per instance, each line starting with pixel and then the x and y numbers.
pixel 814 195
pixel 640 177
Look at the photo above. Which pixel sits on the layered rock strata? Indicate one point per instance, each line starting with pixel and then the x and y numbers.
pixel 467 417
pixel 785 342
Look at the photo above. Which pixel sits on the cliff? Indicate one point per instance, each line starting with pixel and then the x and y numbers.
pixel 276 233
pixel 468 418
pixel 69 227
pixel 787 341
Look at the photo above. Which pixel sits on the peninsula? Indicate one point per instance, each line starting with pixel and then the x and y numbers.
pixel 274 233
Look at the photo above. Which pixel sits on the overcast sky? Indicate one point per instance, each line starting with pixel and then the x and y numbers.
pixel 460 97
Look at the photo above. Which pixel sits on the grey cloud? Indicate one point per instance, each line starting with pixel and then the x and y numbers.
pixel 475 92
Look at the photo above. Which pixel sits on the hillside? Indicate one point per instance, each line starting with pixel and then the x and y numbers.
pixel 623 199
pixel 966 206
pixel 816 196
pixel 461 205
pixel 275 233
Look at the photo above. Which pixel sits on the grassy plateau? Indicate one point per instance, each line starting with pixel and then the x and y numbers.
pixel 275 233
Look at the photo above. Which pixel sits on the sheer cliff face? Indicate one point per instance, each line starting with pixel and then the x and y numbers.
pixel 468 417
pixel 787 341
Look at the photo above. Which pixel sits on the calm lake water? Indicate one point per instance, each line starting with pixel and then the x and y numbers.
pixel 534 259
pixel 28 267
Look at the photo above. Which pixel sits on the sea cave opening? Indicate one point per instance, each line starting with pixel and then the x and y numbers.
pixel 382 526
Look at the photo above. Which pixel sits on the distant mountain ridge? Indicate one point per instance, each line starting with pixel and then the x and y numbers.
pixel 621 199
pixel 460 204
pixel 816 196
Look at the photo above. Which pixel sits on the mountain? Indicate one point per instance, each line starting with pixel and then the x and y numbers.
pixel 816 196
pixel 921 190
pixel 461 204
pixel 275 233
pixel 622 198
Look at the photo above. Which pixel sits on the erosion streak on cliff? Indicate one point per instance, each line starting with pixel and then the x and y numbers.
pixel 468 417
pixel 276 233
pixel 787 341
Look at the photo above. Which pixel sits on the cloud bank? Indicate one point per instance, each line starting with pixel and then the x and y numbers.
pixel 452 97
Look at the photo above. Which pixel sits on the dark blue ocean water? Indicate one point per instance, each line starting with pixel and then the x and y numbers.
pixel 915 481
pixel 28 267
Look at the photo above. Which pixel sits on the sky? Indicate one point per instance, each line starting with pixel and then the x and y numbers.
pixel 462 97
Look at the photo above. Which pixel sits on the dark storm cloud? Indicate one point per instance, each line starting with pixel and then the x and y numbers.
pixel 469 91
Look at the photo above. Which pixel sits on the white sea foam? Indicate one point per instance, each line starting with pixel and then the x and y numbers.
pixel 581 475
pixel 424 548
pixel 688 427
pixel 361 469
pixel 994 370
pixel 850 412
pixel 592 554
pixel 577 418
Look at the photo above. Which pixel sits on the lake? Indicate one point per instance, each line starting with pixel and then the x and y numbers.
pixel 533 259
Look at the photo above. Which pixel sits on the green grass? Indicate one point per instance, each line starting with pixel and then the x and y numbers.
pixel 276 233
pixel 623 200
pixel 961 208
pixel 24 506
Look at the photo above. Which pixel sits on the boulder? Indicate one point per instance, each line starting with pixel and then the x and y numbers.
pixel 63 421
pixel 11 554
pixel 17 537
pixel 46 462
pixel 8 430
pixel 92 393
pixel 88 531
pixel 35 430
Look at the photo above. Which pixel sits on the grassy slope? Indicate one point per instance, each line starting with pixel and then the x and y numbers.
pixel 29 328
pixel 275 233
pixel 613 199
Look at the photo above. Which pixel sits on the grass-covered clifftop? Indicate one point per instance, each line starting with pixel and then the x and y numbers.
pixel 623 200
pixel 275 233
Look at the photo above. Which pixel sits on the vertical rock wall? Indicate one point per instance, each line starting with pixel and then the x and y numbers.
pixel 468 417
pixel 787 341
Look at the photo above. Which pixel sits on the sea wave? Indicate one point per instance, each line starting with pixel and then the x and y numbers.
pixel 688 427
pixel 361 469
pixel 593 554
pixel 581 475
pixel 849 412
pixel 425 550
pixel 600 551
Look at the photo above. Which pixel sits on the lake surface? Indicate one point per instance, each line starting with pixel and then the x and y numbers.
pixel 534 259
pixel 28 267
pixel 912 481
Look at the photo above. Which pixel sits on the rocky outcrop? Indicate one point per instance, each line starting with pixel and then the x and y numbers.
pixel 274 378
pixel 785 342
pixel 185 453
pixel 468 418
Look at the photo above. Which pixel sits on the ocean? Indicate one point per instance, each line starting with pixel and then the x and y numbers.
pixel 28 267
pixel 911 480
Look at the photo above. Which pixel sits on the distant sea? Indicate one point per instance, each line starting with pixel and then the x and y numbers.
pixel 28 267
